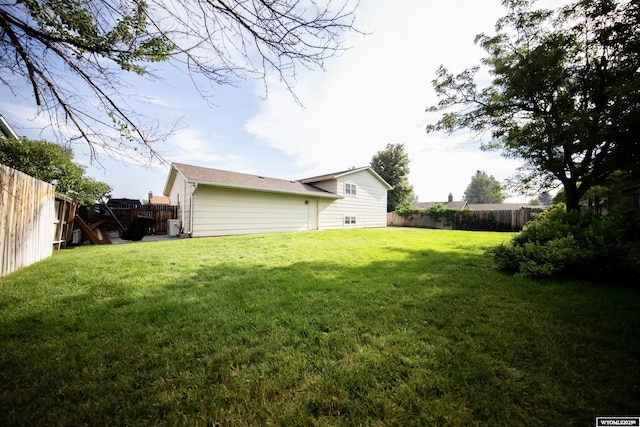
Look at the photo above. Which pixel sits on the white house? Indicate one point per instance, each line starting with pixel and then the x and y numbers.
pixel 214 202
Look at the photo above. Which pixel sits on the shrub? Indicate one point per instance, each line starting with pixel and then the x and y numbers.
pixel 437 212
pixel 575 244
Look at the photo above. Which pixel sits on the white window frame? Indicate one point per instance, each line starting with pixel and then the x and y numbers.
pixel 350 220
pixel 350 189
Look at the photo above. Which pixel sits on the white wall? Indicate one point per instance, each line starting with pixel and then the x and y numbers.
pixel 221 211
pixel 369 205
pixel 180 196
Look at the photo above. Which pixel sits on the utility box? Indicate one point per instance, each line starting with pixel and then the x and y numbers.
pixel 173 227
pixel 76 237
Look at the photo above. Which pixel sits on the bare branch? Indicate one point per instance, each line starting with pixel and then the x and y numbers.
pixel 74 55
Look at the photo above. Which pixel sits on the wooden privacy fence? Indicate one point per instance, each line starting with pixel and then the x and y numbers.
pixel 161 213
pixel 28 220
pixel 65 212
pixel 502 220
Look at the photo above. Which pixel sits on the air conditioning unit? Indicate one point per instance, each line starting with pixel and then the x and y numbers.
pixel 173 227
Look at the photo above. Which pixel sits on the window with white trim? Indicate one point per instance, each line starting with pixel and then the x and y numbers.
pixel 349 220
pixel 349 189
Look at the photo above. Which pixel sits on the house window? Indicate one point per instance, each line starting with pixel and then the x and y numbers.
pixel 349 189
pixel 349 220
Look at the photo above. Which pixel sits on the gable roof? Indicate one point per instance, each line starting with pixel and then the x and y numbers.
pixel 242 181
pixel 340 174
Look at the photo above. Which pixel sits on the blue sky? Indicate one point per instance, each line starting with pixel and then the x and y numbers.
pixel 374 94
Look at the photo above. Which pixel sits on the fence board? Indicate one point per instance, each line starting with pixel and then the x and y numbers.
pixel 28 220
pixel 498 220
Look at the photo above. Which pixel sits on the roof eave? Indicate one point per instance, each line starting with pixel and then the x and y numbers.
pixel 345 173
pixel 173 172
pixel 6 129
pixel 265 190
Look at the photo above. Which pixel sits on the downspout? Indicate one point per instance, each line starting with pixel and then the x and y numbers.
pixel 182 203
pixel 195 186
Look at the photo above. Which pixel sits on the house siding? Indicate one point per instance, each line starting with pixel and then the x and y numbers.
pixel 221 211
pixel 329 185
pixel 369 205
pixel 180 195
pixel 224 207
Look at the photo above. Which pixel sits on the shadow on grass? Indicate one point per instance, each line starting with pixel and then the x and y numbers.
pixel 424 337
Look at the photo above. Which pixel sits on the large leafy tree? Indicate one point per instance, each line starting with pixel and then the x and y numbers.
pixel 392 164
pixel 53 164
pixel 73 54
pixel 484 189
pixel 565 94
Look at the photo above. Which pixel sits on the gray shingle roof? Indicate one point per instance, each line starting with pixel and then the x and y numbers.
pixel 222 178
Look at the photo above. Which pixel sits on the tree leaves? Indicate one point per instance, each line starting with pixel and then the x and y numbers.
pixel 565 94
pixel 392 164
pixel 72 54
pixel 53 164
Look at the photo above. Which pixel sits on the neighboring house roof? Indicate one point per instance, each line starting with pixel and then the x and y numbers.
pixel 462 204
pixel 158 200
pixel 451 205
pixel 5 129
pixel 340 174
pixel 499 206
pixel 227 179
pixel 124 202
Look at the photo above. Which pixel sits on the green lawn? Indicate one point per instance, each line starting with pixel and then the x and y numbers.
pixel 392 327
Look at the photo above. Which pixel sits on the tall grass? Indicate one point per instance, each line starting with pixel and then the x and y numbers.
pixel 361 327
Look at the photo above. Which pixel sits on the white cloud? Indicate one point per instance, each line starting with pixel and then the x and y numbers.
pixel 377 93
pixel 191 146
pixel 374 94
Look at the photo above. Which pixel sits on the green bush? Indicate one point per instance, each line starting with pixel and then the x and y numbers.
pixel 575 244
pixel 437 212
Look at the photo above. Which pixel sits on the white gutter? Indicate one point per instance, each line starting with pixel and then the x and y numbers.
pixel 195 186
pixel 6 129
pixel 319 194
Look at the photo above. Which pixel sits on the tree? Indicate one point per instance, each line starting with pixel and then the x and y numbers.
pixel 53 164
pixel 565 95
pixel 72 54
pixel 544 198
pixel 392 164
pixel 483 189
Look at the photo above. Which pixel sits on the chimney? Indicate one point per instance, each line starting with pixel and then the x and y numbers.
pixel 450 197
pixel 150 196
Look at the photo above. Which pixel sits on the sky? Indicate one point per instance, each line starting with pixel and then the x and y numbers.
pixel 374 94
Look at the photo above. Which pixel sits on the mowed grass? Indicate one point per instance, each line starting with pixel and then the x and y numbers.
pixel 393 327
